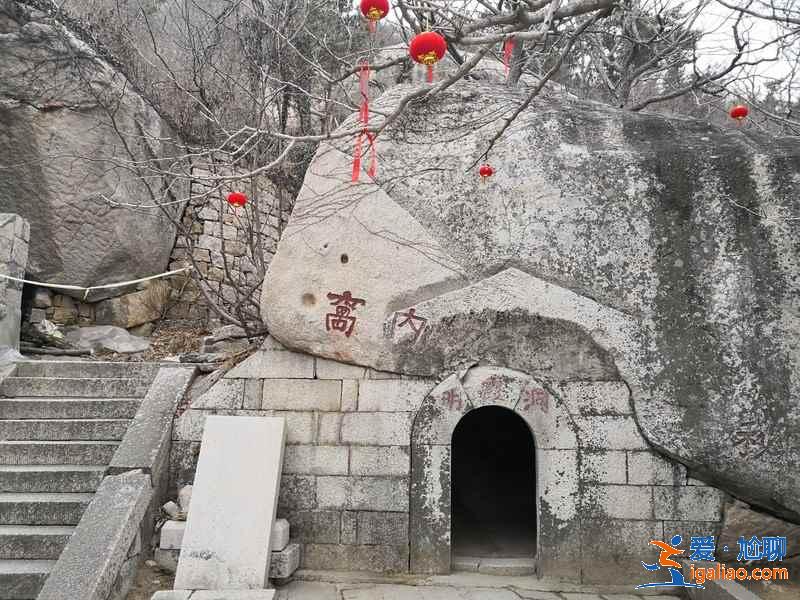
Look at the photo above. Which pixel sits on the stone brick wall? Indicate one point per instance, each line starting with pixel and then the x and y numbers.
pixel 14 237
pixel 230 245
pixel 225 242
pixel 355 502
pixel 346 470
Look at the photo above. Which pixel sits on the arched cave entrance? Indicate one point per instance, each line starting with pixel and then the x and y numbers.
pixel 493 489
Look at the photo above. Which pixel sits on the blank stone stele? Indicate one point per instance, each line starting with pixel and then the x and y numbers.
pixel 226 545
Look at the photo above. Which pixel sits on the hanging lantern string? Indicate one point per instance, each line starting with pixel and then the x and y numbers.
pixel 372 170
pixel 508 50
pixel 363 86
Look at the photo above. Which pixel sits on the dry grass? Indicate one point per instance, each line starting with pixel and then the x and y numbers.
pixel 166 340
pixel 148 581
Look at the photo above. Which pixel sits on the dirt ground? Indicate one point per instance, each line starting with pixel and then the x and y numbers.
pixel 148 581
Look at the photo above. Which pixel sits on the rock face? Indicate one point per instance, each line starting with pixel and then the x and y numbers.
pixel 607 245
pixel 14 235
pixel 741 521
pixel 67 161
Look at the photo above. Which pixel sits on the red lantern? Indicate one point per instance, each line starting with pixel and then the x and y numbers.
pixel 485 172
pixel 428 48
pixel 237 199
pixel 374 11
pixel 739 112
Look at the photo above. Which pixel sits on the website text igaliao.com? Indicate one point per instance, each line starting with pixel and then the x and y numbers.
pixel 719 571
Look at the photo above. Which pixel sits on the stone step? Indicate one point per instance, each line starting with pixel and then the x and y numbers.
pixel 68 408
pixel 57 453
pixel 34 542
pixel 51 478
pixel 22 579
pixel 63 429
pixel 510 567
pixel 72 387
pixel 78 368
pixel 42 509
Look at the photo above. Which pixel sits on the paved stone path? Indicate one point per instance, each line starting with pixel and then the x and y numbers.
pixel 462 586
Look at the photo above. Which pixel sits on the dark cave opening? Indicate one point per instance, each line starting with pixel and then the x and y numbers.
pixel 493 485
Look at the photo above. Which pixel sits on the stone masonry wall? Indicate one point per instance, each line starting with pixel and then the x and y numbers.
pixel 14 237
pixel 347 472
pixel 224 240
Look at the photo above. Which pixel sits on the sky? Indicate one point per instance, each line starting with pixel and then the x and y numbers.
pixel 716 21
pixel 718 43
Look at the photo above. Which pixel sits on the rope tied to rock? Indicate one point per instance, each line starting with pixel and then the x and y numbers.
pixel 94 287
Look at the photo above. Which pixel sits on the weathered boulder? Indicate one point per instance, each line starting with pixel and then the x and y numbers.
pixel 609 244
pixel 134 309
pixel 67 170
pixel 741 521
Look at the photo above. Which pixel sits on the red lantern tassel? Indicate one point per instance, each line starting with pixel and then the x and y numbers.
pixel 373 155
pixel 363 84
pixel 430 73
pixel 373 26
pixel 508 49
pixel 372 170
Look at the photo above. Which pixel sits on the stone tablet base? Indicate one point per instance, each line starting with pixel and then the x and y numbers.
pixel 282 565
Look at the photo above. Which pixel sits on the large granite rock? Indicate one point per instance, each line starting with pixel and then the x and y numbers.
pixel 609 244
pixel 63 158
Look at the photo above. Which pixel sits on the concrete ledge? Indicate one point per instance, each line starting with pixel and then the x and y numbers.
pixel 146 443
pixel 100 548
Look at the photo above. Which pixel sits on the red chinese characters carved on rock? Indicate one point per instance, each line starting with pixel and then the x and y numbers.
pixel 411 319
pixel 493 389
pixel 342 320
pixel 532 397
pixel 452 399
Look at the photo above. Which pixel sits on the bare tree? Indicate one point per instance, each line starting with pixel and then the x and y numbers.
pixel 251 87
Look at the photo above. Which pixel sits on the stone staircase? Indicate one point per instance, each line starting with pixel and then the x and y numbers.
pixel 60 423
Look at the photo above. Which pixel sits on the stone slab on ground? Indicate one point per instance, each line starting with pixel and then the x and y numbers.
pixel 172 595
pixel 344 585
pixel 106 337
pixel 235 498
pixel 721 590
pixel 214 595
pixel 233 595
